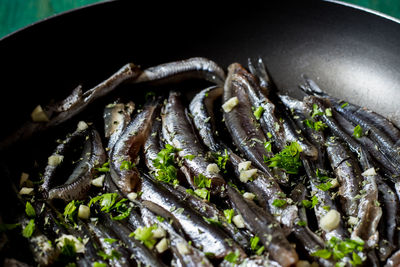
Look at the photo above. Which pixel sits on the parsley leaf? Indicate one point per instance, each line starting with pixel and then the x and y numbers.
pixel 357 132
pixel 104 168
pixel 288 159
pixel 232 257
pixel 258 112
pixel 324 186
pixel 29 229
pixel 316 111
pixel 71 210
pixel 165 165
pixel 126 165
pixel 279 202
pixel 29 210
pixel 229 215
pixel 145 235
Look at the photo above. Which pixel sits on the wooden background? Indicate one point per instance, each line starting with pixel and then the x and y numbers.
pixel 15 14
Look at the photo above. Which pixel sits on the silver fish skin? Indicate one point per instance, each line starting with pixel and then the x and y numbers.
pixel 394 260
pixel 324 199
pixel 178 132
pixel 195 257
pixel 72 105
pixel 196 67
pixel 127 148
pixel 246 132
pixel 79 181
pixel 116 117
pixel 153 143
pixel 263 225
pixel 259 70
pixel 348 173
pixel 201 109
pixel 267 191
pixel 206 237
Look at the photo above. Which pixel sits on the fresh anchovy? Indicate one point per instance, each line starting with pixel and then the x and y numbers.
pixel 196 67
pixel 324 200
pixel 201 108
pixel 394 260
pixel 109 243
pixel 241 123
pixel 265 227
pixel 153 143
pixel 269 122
pixel 207 237
pixel 388 233
pixel 355 115
pixel 267 191
pixel 78 183
pixel 365 114
pixel 194 257
pixel 209 210
pixel 116 117
pixel 348 173
pixel 391 170
pixel 127 148
pixel 73 104
pixel 178 132
pixel 138 250
pixel 310 241
pixel 259 70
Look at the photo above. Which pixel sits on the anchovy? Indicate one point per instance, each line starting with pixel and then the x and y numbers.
pixel 152 146
pixel 308 239
pixel 267 191
pixel 201 108
pixel 207 237
pixel 263 225
pixel 196 67
pixel 78 183
pixel 127 148
pixel 348 173
pixel 178 132
pixel 241 123
pixel 116 117
pixel 259 70
pixel 192 257
pixel 388 226
pixel 209 210
pixel 138 250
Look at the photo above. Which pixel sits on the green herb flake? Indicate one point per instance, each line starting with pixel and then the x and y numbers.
pixel 232 257
pixel 68 249
pixel 221 160
pixel 213 221
pixel 324 186
pixel 288 159
pixel 145 235
pixel 126 165
pixel 113 255
pixel 280 203
pixel 104 168
pixel 110 240
pixel 322 253
pixel 268 146
pixel 202 193
pixel 316 111
pixel 71 210
pixel 160 219
pixel 357 132
pixel 310 204
pixel 328 112
pixel 189 157
pixel 29 210
pixel 258 112
pixel 166 166
pixel 344 105
pixel 321 176
pixel 8 226
pixel 29 229
pixel 99 264
pixel 229 215
pixel 201 181
pixel 301 223
pixel 269 135
pixel 254 242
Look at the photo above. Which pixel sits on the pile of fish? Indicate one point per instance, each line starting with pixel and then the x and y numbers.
pixel 240 174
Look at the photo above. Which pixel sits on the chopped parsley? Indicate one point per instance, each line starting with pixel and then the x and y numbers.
pixel 344 105
pixel 301 223
pixel 189 157
pixel 324 186
pixel 288 159
pixel 268 146
pixel 316 125
pixel 145 235
pixel 255 246
pixel 29 210
pixel 202 193
pixel 99 264
pixel 339 249
pixel 310 204
pixel 113 255
pixel 279 202
pixel 213 221
pixel 71 211
pixel 316 111
pixel 221 160
pixel 258 112
pixel 232 257
pixel 110 240
pixel 357 132
pixel 321 176
pixel 68 249
pixel 104 168
pixel 201 181
pixel 126 165
pixel 108 202
pixel 229 215
pixel 165 165
pixel 29 229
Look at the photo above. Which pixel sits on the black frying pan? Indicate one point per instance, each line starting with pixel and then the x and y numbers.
pixel 351 53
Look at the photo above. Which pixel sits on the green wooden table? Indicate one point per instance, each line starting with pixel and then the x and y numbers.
pixel 15 14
